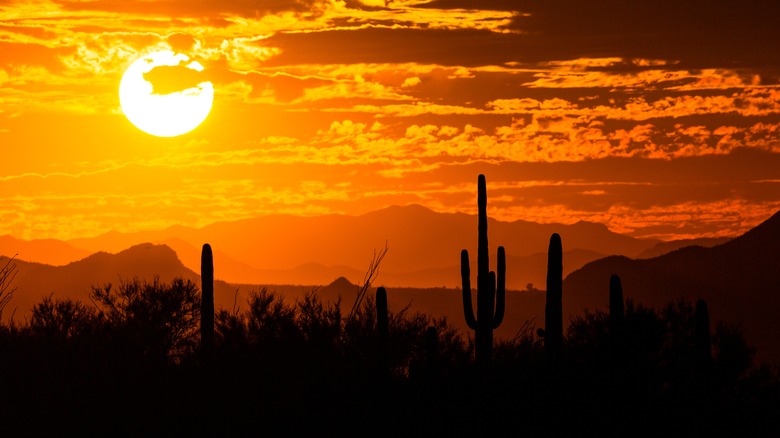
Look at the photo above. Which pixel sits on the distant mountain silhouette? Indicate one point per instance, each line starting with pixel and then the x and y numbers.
pixel 145 261
pixel 424 246
pixel 75 280
pixel 742 265
pixel 739 279
pixel 439 302
pixel 340 287
pixel 49 251
pixel 672 245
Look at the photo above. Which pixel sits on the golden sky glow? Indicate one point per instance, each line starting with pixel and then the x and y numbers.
pixel 657 119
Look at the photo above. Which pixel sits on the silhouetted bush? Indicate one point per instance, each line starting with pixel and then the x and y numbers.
pixel 158 319
pixel 130 363
pixel 63 319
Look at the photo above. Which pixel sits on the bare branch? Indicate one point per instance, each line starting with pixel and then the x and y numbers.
pixel 371 274
pixel 7 273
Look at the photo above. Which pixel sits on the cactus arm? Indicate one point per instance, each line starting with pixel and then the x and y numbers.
pixel 465 275
pixel 498 318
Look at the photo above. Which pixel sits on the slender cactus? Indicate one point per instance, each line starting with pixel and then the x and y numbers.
pixel 207 301
pixel 382 324
pixel 491 287
pixel 617 316
pixel 553 312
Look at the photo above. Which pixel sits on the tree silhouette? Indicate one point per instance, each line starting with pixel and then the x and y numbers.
pixel 159 319
pixel 62 319
pixel 300 367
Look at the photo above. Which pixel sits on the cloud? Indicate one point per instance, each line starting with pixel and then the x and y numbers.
pixel 411 82
pixel 723 34
pixel 195 8
pixel 457 47
pixel 167 79
pixel 642 116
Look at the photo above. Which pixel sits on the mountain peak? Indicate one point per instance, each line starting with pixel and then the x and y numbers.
pixel 590 225
pixel 341 283
pixel 403 210
pixel 147 255
pixel 149 250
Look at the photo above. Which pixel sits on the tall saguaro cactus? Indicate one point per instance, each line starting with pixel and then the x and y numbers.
pixel 553 311
pixel 617 315
pixel 207 301
pixel 491 286
pixel 616 324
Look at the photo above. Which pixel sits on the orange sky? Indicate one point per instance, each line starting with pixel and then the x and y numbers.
pixel 658 119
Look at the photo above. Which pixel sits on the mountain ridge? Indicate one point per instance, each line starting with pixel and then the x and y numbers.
pixel 35 281
pixel 424 246
pixel 418 239
pixel 738 278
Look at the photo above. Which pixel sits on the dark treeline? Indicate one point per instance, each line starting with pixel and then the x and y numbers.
pixel 156 359
pixel 131 363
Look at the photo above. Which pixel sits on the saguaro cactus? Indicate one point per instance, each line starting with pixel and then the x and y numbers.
pixel 382 323
pixel 617 315
pixel 616 324
pixel 553 311
pixel 207 301
pixel 491 290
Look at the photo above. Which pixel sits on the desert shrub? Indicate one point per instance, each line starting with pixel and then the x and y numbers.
pixel 63 319
pixel 319 323
pixel 733 356
pixel 157 319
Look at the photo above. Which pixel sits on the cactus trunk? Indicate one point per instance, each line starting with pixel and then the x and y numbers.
pixel 617 316
pixel 490 286
pixel 553 312
pixel 382 323
pixel 207 301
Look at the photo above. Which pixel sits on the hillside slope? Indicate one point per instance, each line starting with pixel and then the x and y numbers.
pixel 740 279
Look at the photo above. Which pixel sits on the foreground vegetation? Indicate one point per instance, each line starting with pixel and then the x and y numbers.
pixel 130 363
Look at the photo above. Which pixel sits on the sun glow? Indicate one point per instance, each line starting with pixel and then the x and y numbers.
pixel 165 104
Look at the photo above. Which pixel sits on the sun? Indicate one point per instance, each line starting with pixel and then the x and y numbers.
pixel 165 94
